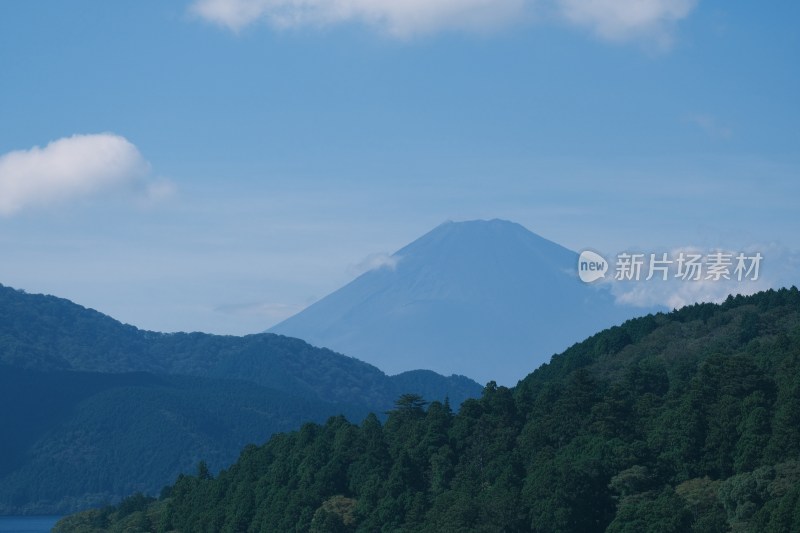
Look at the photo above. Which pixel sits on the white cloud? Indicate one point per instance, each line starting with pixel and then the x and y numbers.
pixel 69 168
pixel 624 20
pixel 399 18
pixel 615 20
pixel 375 262
pixel 677 294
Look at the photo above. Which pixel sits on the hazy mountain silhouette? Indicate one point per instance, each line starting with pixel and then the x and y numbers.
pixel 486 299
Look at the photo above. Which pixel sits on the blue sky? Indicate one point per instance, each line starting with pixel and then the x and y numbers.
pixel 216 165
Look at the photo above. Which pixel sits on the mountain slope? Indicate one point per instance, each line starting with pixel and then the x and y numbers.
pixel 488 299
pixel 73 440
pixel 92 409
pixel 684 422
pixel 41 332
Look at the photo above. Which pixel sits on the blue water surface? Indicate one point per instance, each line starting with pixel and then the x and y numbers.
pixel 27 524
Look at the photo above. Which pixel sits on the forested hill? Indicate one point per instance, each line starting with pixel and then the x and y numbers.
pixel 46 333
pixel 687 421
pixel 92 410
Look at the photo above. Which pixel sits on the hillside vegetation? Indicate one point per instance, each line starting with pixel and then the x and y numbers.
pixel 47 333
pixel 93 410
pixel 687 421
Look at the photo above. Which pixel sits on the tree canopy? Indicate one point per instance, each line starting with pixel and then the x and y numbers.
pixel 686 421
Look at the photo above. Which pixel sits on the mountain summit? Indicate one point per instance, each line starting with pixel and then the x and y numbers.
pixel 487 299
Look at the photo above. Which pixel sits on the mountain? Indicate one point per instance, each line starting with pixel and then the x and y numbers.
pixel 92 409
pixel 679 422
pixel 487 299
pixel 41 332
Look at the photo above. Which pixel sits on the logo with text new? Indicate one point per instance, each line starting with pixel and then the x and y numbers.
pixel 591 266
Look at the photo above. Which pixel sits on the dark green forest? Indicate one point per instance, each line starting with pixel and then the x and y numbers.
pixel 92 410
pixel 73 440
pixel 687 421
pixel 46 333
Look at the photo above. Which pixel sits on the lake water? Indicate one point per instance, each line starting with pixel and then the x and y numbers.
pixel 27 524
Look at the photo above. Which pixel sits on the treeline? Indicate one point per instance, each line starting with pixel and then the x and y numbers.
pixel 688 421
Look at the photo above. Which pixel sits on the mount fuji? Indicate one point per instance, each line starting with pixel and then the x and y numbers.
pixel 487 299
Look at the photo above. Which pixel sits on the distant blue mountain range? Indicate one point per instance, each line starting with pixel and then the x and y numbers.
pixel 487 299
